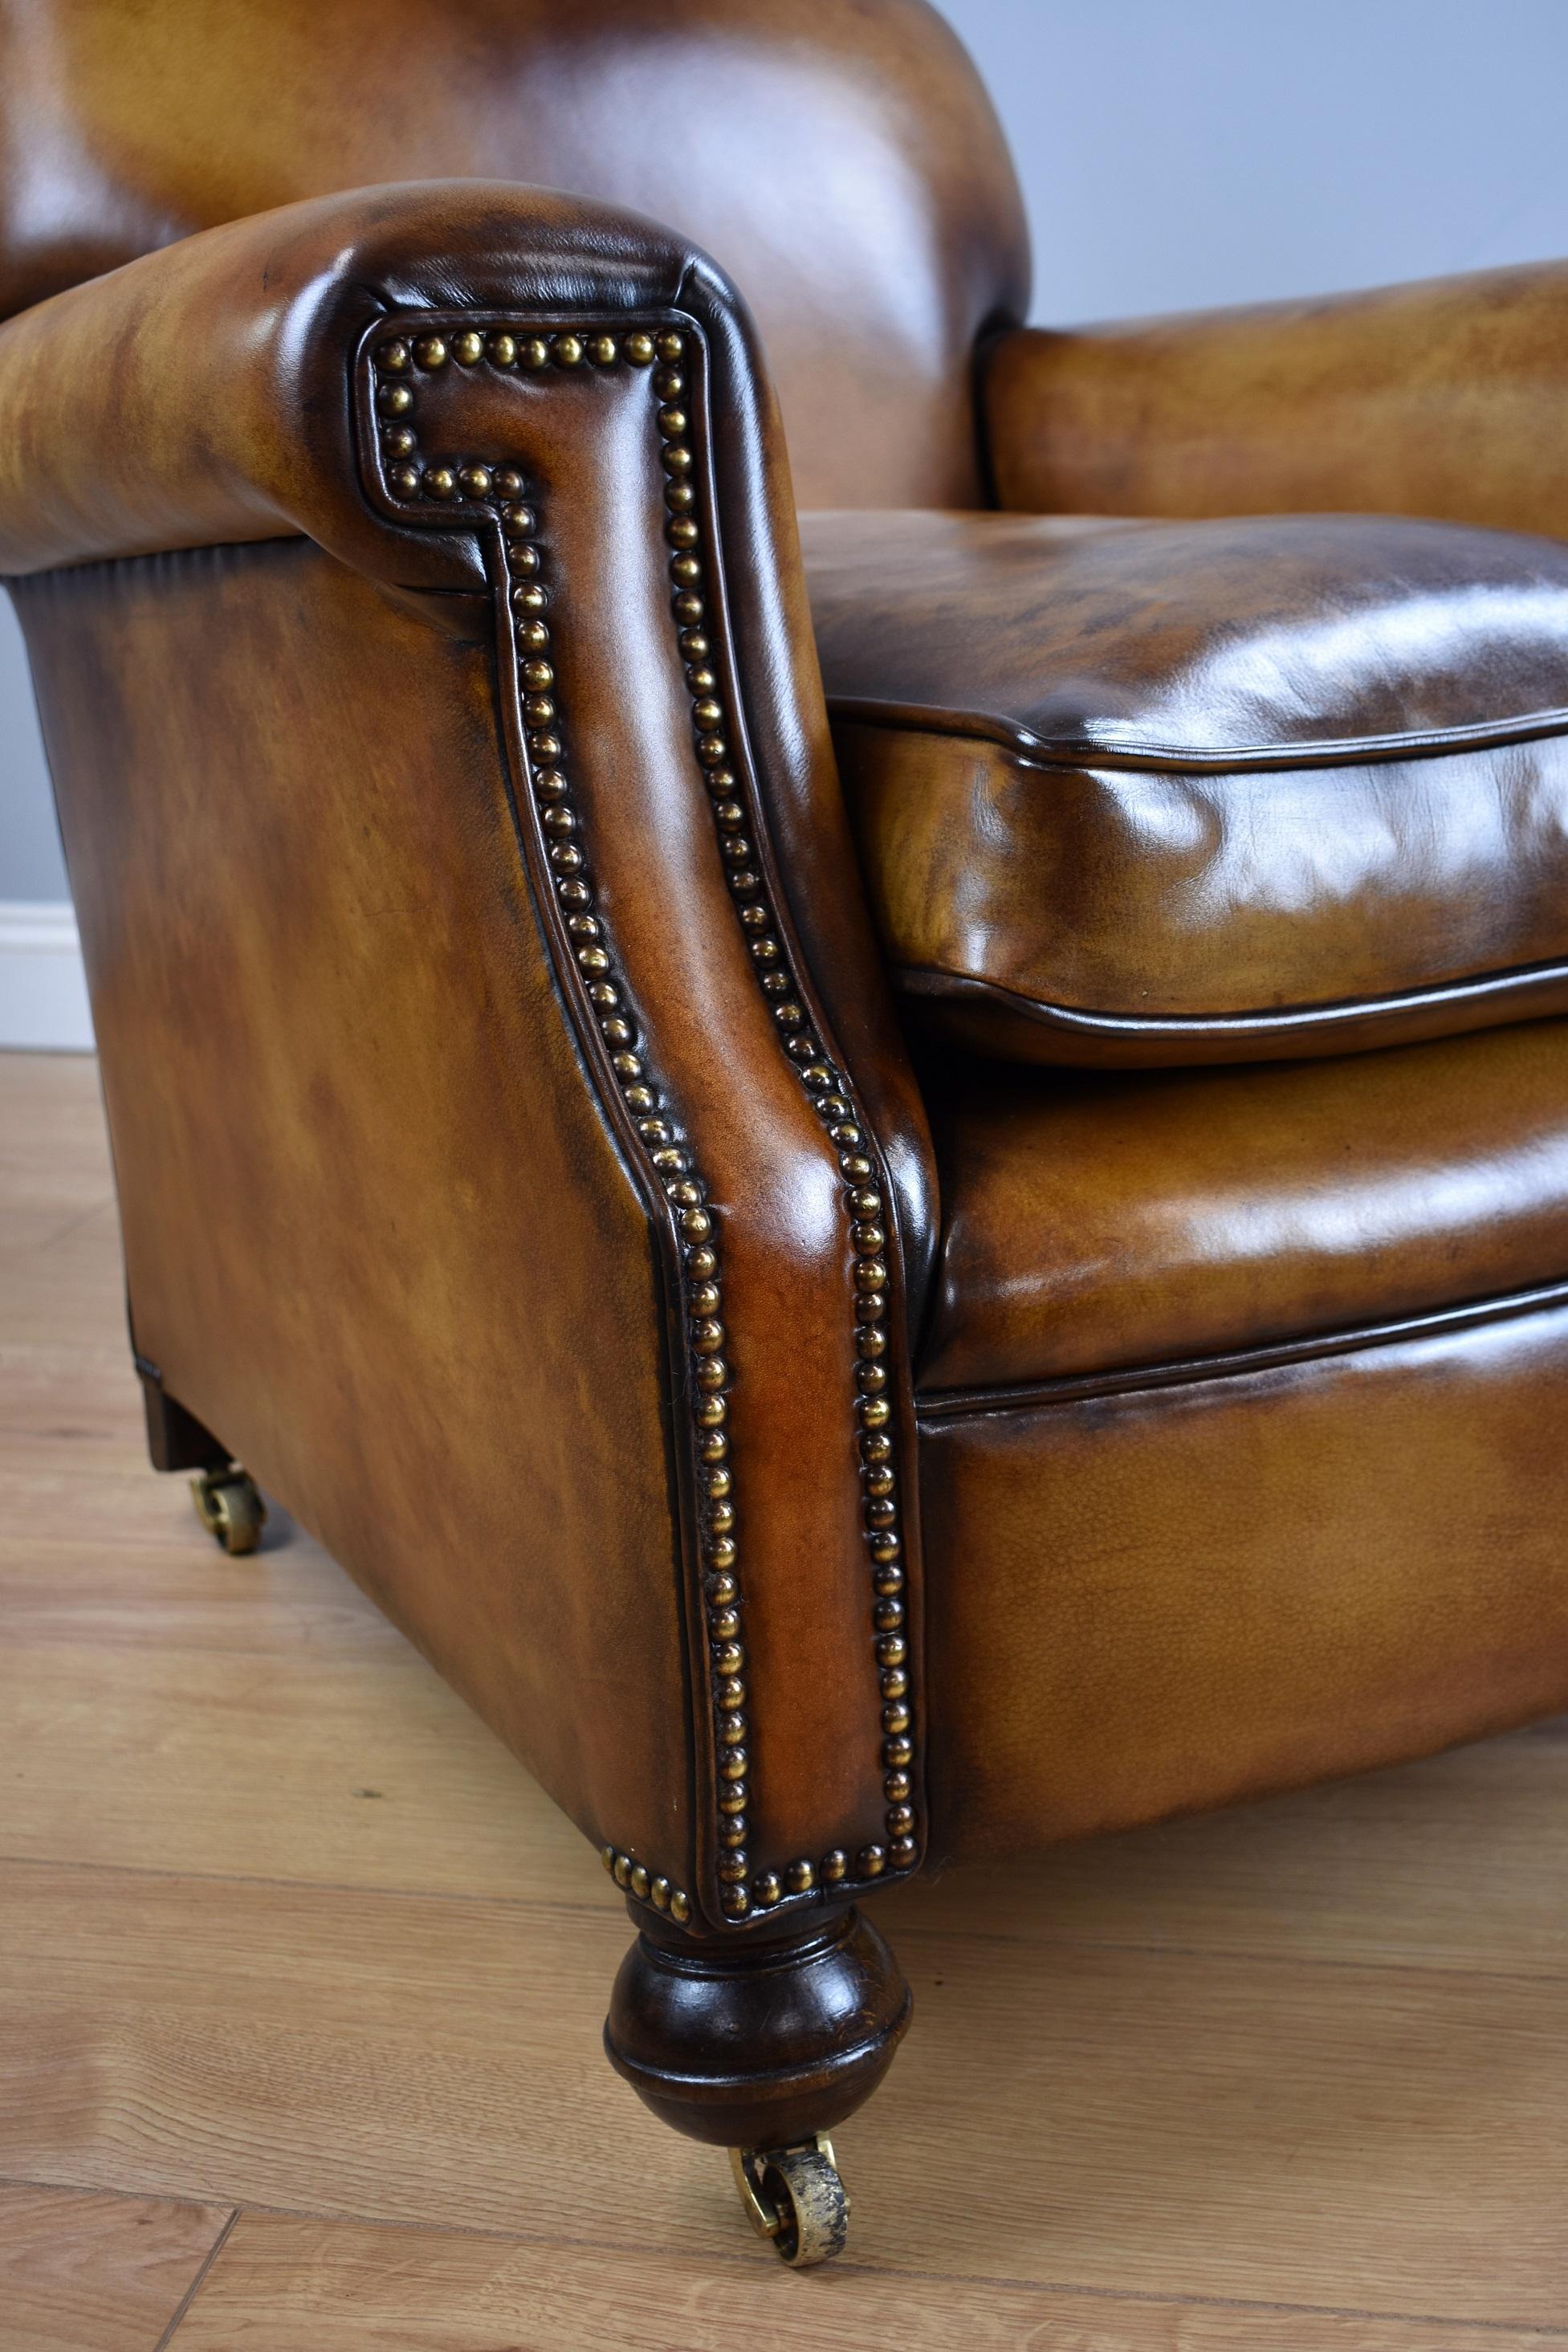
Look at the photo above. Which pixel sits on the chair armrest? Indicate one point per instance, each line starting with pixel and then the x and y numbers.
pixel 545 430
pixel 1447 398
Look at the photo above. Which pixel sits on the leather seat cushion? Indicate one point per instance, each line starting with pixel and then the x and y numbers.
pixel 1138 793
pixel 1100 1220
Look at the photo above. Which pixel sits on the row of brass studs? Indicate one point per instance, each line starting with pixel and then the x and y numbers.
pixel 637 1881
pixel 828 1090
pixel 398 363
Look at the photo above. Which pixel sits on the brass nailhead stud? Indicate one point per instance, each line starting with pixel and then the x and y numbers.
pixel 394 399
pixel 602 350
pixel 468 348
pixel 430 351
pixel 640 350
pixel 567 350
pixel 503 352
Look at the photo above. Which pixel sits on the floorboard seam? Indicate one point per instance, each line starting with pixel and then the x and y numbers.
pixel 214 2250
pixel 741 2258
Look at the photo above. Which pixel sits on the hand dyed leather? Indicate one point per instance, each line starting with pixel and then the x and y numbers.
pixel 1148 1602
pixel 1131 793
pixel 281 429
pixel 519 1162
pixel 1094 1221
pixel 843 163
pixel 1443 398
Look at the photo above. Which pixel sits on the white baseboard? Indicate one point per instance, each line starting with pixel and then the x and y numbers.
pixel 43 989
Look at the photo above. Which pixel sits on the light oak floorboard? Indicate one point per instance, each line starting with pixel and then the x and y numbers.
pixel 280 2284
pixel 1291 2077
pixel 84 2271
pixel 1189 2122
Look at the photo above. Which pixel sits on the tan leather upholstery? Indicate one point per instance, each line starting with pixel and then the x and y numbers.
pixel 843 163
pixel 1182 793
pixel 519 1158
pixel 1169 1598
pixel 1442 398
pixel 1097 1219
pixel 680 799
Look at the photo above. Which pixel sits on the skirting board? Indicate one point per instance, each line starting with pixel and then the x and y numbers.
pixel 43 989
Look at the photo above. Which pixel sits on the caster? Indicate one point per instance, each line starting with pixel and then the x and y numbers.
pixel 229 1505
pixel 794 2197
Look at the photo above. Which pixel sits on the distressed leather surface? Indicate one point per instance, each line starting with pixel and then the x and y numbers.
pixel 383 1223
pixel 1140 793
pixel 365 1192
pixel 1147 1604
pixel 1100 1220
pixel 168 683
pixel 1441 398
pixel 843 163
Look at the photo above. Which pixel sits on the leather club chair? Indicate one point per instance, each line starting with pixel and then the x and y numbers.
pixel 878 1277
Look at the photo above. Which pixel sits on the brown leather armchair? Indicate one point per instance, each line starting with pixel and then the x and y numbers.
pixel 849 1362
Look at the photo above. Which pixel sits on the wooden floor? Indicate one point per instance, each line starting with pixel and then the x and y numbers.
pixel 301 1984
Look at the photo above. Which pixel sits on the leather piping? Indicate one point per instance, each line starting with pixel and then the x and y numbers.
pixel 948 1405
pixel 1347 1013
pixel 1109 750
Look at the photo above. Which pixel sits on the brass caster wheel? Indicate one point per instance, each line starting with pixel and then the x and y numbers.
pixel 229 1505
pixel 794 2197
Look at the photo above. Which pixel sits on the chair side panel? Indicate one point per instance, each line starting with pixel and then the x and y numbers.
pixel 377 1235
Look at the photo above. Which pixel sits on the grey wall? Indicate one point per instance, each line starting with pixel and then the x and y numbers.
pixel 31 865
pixel 1185 152
pixel 1178 152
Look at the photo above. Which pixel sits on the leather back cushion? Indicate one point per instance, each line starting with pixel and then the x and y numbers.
pixel 840 161
pixel 1130 793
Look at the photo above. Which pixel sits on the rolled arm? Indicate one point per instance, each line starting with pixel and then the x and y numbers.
pixel 1447 398
pixel 546 430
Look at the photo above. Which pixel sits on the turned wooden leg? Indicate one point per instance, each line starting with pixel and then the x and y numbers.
pixel 763 2048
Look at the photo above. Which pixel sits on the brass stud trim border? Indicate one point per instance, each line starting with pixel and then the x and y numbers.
pixel 634 1877
pixel 399 361
pixel 828 1089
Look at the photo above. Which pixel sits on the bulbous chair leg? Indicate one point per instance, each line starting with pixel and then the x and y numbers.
pixel 762 2048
